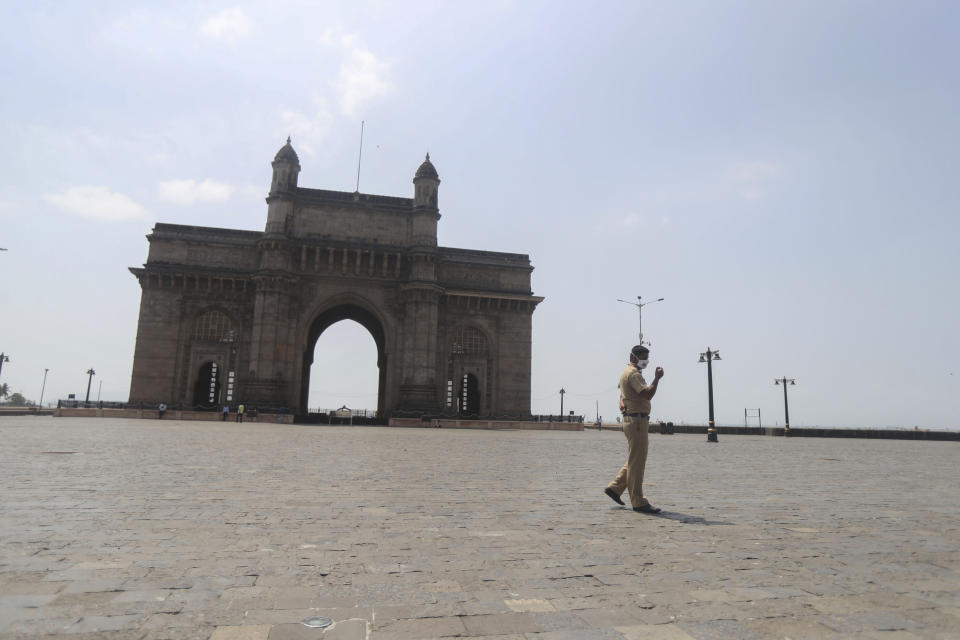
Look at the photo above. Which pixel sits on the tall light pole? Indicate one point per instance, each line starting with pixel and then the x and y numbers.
pixel 3 358
pixel 786 408
pixel 226 387
pixel 562 391
pixel 91 373
pixel 43 388
pixel 709 356
pixel 640 305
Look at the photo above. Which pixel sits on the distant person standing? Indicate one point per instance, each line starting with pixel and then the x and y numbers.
pixel 240 413
pixel 224 413
pixel 635 396
pixel 161 409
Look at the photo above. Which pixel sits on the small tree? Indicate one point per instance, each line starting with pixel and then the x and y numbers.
pixel 17 400
pixel 4 390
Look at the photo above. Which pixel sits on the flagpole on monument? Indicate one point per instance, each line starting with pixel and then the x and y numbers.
pixel 360 156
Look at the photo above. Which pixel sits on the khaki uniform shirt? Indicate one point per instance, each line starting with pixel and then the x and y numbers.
pixel 632 385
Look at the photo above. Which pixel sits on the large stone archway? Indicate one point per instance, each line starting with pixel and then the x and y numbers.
pixel 257 301
pixel 369 321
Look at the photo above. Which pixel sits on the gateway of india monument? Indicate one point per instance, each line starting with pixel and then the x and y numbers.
pixel 230 316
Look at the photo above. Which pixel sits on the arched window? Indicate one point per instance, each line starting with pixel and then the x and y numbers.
pixel 213 325
pixel 469 341
pixel 463 392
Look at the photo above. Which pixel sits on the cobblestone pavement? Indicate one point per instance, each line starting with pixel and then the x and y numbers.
pixel 163 529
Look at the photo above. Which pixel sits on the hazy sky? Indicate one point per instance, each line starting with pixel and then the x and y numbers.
pixel 783 173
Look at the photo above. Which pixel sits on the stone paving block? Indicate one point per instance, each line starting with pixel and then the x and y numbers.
pixel 791 627
pixel 529 605
pixel 294 631
pixel 599 618
pixel 347 630
pixel 23 602
pixel 940 618
pixel 245 632
pixel 144 595
pixel 38 626
pixel 720 630
pixel 414 629
pixel 275 616
pixel 559 621
pixel 869 621
pixel 580 634
pixel 162 623
pixel 654 632
pixel 17 588
pixel 95 586
pixel 105 623
pixel 500 623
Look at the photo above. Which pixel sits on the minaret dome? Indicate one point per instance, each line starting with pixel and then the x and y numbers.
pixel 426 182
pixel 286 168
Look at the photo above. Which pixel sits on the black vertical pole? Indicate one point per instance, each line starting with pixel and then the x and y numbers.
pixel 89 380
pixel 710 383
pixel 786 408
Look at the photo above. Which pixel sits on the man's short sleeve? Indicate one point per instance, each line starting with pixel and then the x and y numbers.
pixel 636 382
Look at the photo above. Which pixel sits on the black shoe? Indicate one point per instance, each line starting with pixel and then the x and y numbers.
pixel 648 508
pixel 613 495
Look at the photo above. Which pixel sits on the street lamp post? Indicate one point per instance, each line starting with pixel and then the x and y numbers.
pixel 562 391
pixel 709 356
pixel 786 408
pixel 91 373
pixel 640 305
pixel 3 358
pixel 226 387
pixel 42 388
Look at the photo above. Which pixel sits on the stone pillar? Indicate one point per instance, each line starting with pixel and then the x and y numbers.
pixel 273 359
pixel 516 332
pixel 155 355
pixel 418 356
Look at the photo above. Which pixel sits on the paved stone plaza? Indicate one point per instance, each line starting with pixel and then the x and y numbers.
pixel 163 529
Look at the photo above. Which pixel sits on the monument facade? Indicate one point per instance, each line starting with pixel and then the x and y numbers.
pixel 230 316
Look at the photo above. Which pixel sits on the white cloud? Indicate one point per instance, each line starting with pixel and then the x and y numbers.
pixel 361 75
pixel 227 26
pixel 628 221
pixel 735 181
pixel 191 191
pixel 361 78
pixel 308 131
pixel 97 203
pixel 750 179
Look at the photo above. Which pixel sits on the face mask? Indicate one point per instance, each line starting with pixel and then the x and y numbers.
pixel 642 364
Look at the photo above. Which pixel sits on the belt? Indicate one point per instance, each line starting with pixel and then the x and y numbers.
pixel 634 415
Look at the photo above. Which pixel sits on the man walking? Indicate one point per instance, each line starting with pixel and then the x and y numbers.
pixel 635 396
pixel 240 409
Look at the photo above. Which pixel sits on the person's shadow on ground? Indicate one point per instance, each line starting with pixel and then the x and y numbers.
pixel 680 517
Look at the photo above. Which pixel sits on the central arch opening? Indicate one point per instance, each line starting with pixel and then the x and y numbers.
pixel 344 365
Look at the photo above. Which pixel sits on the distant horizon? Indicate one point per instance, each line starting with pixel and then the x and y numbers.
pixel 587 420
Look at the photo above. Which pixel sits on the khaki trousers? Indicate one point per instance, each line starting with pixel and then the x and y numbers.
pixel 630 477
